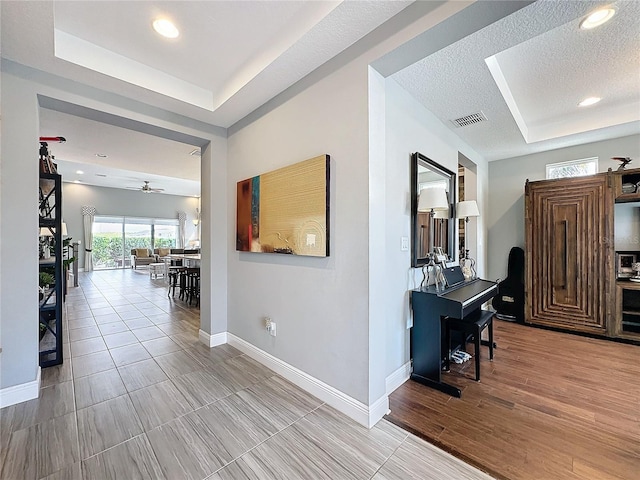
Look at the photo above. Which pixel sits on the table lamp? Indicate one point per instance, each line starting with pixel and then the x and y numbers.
pixel 467 209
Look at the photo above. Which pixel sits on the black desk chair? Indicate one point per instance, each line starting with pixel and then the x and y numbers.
pixel 472 326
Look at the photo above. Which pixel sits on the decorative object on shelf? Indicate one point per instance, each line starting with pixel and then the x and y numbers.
pixel 624 161
pixel 45 279
pixel 45 248
pixel 468 265
pixel 624 264
pixel 46 159
pixel 636 268
pixel 465 210
pixel 629 188
pixel 285 211
pixel 432 273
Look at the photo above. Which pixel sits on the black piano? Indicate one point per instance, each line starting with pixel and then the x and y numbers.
pixel 429 307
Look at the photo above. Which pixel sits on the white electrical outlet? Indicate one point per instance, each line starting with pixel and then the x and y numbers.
pixel 267 323
pixel 405 244
pixel 272 330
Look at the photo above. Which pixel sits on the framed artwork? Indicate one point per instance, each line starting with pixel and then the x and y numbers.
pixel 285 211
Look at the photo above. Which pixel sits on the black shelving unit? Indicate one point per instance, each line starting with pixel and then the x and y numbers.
pixel 51 301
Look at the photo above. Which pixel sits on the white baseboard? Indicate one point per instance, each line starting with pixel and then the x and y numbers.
pixel 398 377
pixel 378 409
pixel 358 411
pixel 212 340
pixel 20 393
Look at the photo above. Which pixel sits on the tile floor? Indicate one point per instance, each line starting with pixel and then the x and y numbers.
pixel 138 397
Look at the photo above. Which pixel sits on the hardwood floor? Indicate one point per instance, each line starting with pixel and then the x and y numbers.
pixel 550 406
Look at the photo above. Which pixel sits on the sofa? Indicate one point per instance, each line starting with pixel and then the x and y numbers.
pixel 161 253
pixel 142 256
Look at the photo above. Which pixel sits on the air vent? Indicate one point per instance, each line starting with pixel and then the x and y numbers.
pixel 100 175
pixel 195 152
pixel 469 119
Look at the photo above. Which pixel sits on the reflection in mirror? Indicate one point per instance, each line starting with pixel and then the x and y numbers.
pixel 429 231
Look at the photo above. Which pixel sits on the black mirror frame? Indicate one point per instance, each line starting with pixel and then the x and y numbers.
pixel 417 158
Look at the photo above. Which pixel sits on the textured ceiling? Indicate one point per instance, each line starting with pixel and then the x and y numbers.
pixel 548 66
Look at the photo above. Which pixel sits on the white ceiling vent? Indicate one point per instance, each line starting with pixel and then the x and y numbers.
pixel 469 119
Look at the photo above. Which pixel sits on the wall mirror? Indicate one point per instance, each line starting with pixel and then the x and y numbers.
pixel 428 232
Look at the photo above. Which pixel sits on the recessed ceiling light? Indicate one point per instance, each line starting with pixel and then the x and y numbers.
pixel 101 155
pixel 79 172
pixel 597 18
pixel 589 101
pixel 166 28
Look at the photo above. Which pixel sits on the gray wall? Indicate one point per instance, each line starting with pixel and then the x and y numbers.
pixel 411 128
pixel 506 185
pixel 115 201
pixel 19 234
pixel 319 304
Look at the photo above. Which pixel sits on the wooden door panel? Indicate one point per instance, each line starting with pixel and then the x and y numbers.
pixel 567 256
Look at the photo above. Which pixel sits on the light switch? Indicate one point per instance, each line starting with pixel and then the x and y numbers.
pixel 405 244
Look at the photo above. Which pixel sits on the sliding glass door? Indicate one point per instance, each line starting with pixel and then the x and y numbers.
pixel 137 233
pixel 108 251
pixel 115 237
pixel 165 233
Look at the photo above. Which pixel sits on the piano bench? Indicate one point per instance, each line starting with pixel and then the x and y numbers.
pixel 473 324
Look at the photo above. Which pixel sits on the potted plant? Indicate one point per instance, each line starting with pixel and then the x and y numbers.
pixel 45 279
pixel 67 261
pixel 43 330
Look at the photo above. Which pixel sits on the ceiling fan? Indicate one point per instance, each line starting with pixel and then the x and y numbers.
pixel 147 189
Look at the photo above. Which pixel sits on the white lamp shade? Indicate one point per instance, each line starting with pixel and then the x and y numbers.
pixel 441 214
pixel 467 208
pixel 45 232
pixel 433 199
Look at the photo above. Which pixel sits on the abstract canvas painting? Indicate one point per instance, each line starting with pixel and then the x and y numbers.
pixel 286 210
